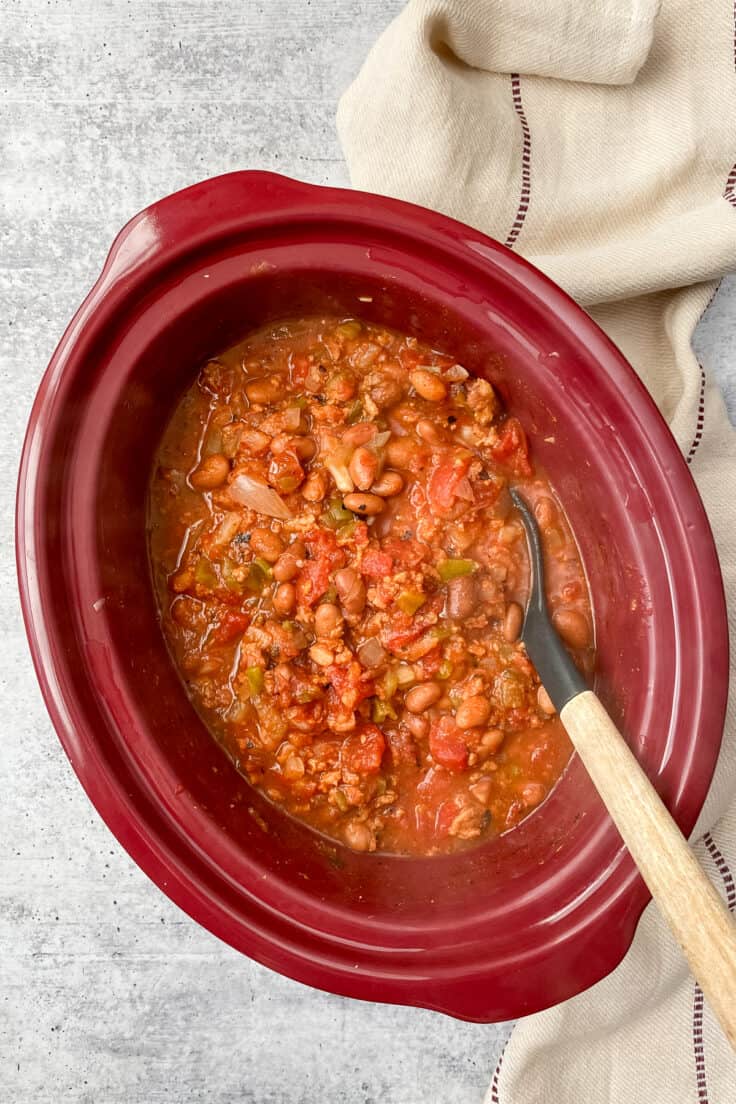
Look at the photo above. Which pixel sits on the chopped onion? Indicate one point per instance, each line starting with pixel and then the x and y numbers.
pixel 379 439
pixel 258 496
pixel 371 652
pixel 335 456
pixel 464 490
pixel 455 373
pixel 292 417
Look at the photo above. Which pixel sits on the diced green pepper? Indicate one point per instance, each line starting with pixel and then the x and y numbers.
pixel 213 443
pixel 440 632
pixel 286 483
pixel 345 532
pixel 335 516
pixel 454 569
pixel 445 671
pixel 259 576
pixel 355 413
pixel 390 683
pixel 254 681
pixel 204 573
pixel 405 675
pixel 381 711
pixel 307 694
pixel 349 330
pixel 409 601
pixel 231 580
pixel 341 801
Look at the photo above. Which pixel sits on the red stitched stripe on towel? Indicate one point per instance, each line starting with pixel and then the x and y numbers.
pixel 723 869
pixel 526 162
pixel 496 1072
pixel 700 1078
pixel 729 192
pixel 701 415
pixel 728 883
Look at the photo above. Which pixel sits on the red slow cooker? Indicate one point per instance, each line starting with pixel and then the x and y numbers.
pixel 522 921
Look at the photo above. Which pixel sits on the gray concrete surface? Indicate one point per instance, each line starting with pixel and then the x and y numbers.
pixel 108 993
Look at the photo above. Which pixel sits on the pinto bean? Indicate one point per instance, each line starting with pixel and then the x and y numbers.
pixel 327 619
pixel 428 431
pixel 461 597
pixel 403 452
pixel 366 505
pixel 473 712
pixel 573 627
pixel 315 488
pixel 418 724
pixel 284 599
pixel 266 544
pixel 264 390
pixel 359 434
pixel 359 836
pixel 211 473
pixel 545 513
pixel 532 793
pixel 363 467
pixel 545 702
pixel 492 740
pixel 512 622
pixel 286 567
pixel 428 385
pixel 422 697
pixel 351 590
pixel 321 655
pixel 388 485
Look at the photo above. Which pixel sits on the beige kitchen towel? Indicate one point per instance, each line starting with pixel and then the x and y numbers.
pixel 597 138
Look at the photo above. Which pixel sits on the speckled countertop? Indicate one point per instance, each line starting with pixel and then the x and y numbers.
pixel 108 993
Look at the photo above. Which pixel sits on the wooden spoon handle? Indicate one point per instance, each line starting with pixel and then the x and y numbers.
pixel 695 912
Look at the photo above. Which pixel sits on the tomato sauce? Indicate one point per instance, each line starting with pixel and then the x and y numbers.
pixel 341 576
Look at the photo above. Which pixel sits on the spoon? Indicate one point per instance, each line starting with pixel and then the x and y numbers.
pixel 695 912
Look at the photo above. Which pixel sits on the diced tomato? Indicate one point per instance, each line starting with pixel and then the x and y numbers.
pixel 322 544
pixel 512 447
pixel 430 664
pixel 376 564
pixel 232 624
pixel 407 553
pixel 410 358
pixel 348 684
pixel 447 745
pixel 299 368
pixel 404 629
pixel 447 482
pixel 446 813
pixel 401 746
pixel 313 582
pixel 307 717
pixel 360 534
pixel 362 751
pixel 285 473
pixel 316 575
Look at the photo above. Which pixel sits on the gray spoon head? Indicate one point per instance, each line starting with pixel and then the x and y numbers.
pixel 560 677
